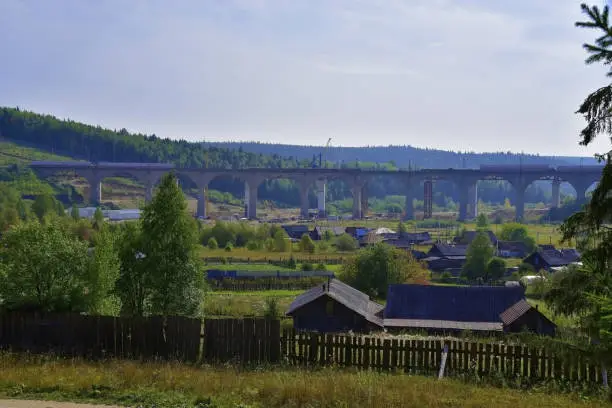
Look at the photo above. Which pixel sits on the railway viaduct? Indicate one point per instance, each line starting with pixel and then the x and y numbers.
pixel 520 177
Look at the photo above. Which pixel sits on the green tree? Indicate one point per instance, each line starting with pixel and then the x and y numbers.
pixel 74 212
pixel 376 267
pixel 44 205
pixel 526 269
pixel 169 240
pixel 573 292
pixel 306 244
pixel 517 233
pixel 482 222
pixel 223 233
pixel 495 269
pixel 11 207
pixel 212 243
pixel 134 285
pixel 479 253
pixel 328 235
pixel 281 241
pixel 44 268
pixel 98 219
pixel 346 242
pixel 103 274
pixel 401 228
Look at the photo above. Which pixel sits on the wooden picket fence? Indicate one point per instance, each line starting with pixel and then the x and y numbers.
pixel 242 340
pixel 424 356
pixel 260 341
pixel 172 338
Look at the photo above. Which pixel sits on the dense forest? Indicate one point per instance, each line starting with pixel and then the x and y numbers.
pixel 401 156
pixel 94 143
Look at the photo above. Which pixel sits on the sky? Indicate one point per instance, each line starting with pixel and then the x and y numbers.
pixel 469 75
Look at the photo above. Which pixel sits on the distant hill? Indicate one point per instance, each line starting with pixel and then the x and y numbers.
pixel 402 156
pixel 50 135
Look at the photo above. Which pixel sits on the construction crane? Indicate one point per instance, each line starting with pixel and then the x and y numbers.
pixel 205 193
pixel 325 153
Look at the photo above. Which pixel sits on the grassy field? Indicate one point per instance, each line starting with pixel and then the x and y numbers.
pixel 174 385
pixel 259 255
pixel 11 153
pixel 246 304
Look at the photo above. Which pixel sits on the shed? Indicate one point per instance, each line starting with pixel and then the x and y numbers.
pixel 522 316
pixel 335 307
pixel 455 308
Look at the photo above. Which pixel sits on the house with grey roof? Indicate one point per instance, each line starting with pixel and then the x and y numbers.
pixel 335 307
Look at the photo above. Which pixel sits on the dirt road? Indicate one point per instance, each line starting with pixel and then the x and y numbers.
pixel 47 404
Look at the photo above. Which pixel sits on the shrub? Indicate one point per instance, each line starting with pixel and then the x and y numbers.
pixel 228 247
pixel 446 277
pixel 272 310
pixel 321 267
pixel 212 243
pixel 345 242
pixel 306 244
pixel 307 266
pixel 252 245
pixel 291 263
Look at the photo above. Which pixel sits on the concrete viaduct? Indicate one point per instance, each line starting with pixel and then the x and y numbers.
pixel 520 177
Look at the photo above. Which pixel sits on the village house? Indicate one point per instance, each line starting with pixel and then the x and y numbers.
pixel 357 232
pixel 468 236
pixel 295 231
pixel 335 307
pixel 318 233
pixel 407 240
pixel 416 238
pixel 444 257
pixel 512 249
pixel 455 308
pixel 550 259
pixel 444 250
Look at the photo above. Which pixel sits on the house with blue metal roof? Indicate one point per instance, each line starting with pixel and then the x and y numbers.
pixel 455 308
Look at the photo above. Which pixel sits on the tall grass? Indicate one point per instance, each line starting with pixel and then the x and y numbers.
pixel 176 385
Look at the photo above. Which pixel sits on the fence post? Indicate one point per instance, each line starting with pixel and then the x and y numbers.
pixel 443 362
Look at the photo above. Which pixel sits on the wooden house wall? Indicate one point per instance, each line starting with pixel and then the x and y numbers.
pixel 315 316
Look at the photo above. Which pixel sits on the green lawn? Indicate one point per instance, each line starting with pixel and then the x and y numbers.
pixel 246 267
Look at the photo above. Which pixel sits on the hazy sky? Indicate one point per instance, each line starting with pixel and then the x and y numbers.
pixel 483 75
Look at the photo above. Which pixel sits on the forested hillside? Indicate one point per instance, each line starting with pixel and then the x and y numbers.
pixel 402 156
pixel 79 140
